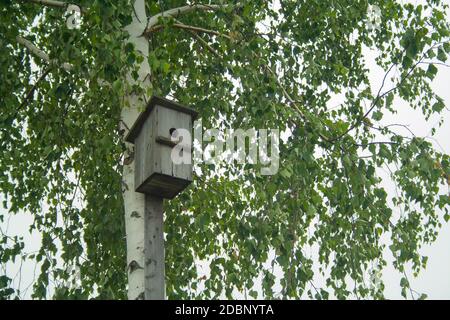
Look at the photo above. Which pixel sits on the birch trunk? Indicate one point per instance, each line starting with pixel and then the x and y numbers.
pixel 134 202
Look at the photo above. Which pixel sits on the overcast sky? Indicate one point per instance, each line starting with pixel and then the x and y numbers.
pixel 435 280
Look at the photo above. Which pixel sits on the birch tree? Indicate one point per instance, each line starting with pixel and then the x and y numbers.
pixel 69 95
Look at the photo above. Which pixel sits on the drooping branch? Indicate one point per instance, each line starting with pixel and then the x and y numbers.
pixel 175 12
pixel 153 21
pixel 55 4
pixel 52 63
pixel 49 3
pixel 189 28
pixel 380 95
pixel 33 88
pixel 41 54
pixel 33 49
pixel 204 43
pixel 290 100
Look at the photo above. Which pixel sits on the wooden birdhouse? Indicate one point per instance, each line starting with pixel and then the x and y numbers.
pixel 153 138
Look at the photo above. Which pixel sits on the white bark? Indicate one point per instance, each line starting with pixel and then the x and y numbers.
pixel 135 202
pixel 191 28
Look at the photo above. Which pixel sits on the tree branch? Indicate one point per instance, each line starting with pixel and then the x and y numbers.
pixel 291 100
pixel 188 27
pixel 33 88
pixel 436 63
pixel 376 143
pixel 55 4
pixel 44 56
pixel 381 96
pixel 175 12
pixel 41 54
pixel 33 49
pixel 204 43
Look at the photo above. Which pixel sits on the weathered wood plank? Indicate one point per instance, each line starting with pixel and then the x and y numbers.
pixel 154 249
pixel 154 148
pixel 138 161
pixel 166 121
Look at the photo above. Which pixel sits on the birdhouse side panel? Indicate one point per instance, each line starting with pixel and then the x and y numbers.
pixel 139 159
pixel 165 119
pixel 184 170
pixel 152 163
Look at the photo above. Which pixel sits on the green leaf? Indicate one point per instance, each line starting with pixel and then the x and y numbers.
pixel 253 294
pixel 442 56
pixel 432 71
pixel 377 115
pixel 404 282
pixel 438 106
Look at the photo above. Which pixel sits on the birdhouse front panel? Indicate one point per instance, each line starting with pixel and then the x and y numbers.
pixel 167 122
pixel 156 139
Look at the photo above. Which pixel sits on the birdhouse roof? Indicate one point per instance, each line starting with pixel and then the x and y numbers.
pixel 154 101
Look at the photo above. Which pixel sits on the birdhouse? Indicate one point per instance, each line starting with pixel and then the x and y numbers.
pixel 153 135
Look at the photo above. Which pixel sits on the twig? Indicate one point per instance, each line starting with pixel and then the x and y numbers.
pixel 33 88
pixel 204 43
pixel 188 27
pixel 48 3
pixel 175 12
pixel 436 63
pixel 373 105
pixel 378 97
pixel 54 4
pixel 41 54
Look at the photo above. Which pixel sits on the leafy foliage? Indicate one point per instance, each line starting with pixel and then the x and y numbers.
pixel 267 68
